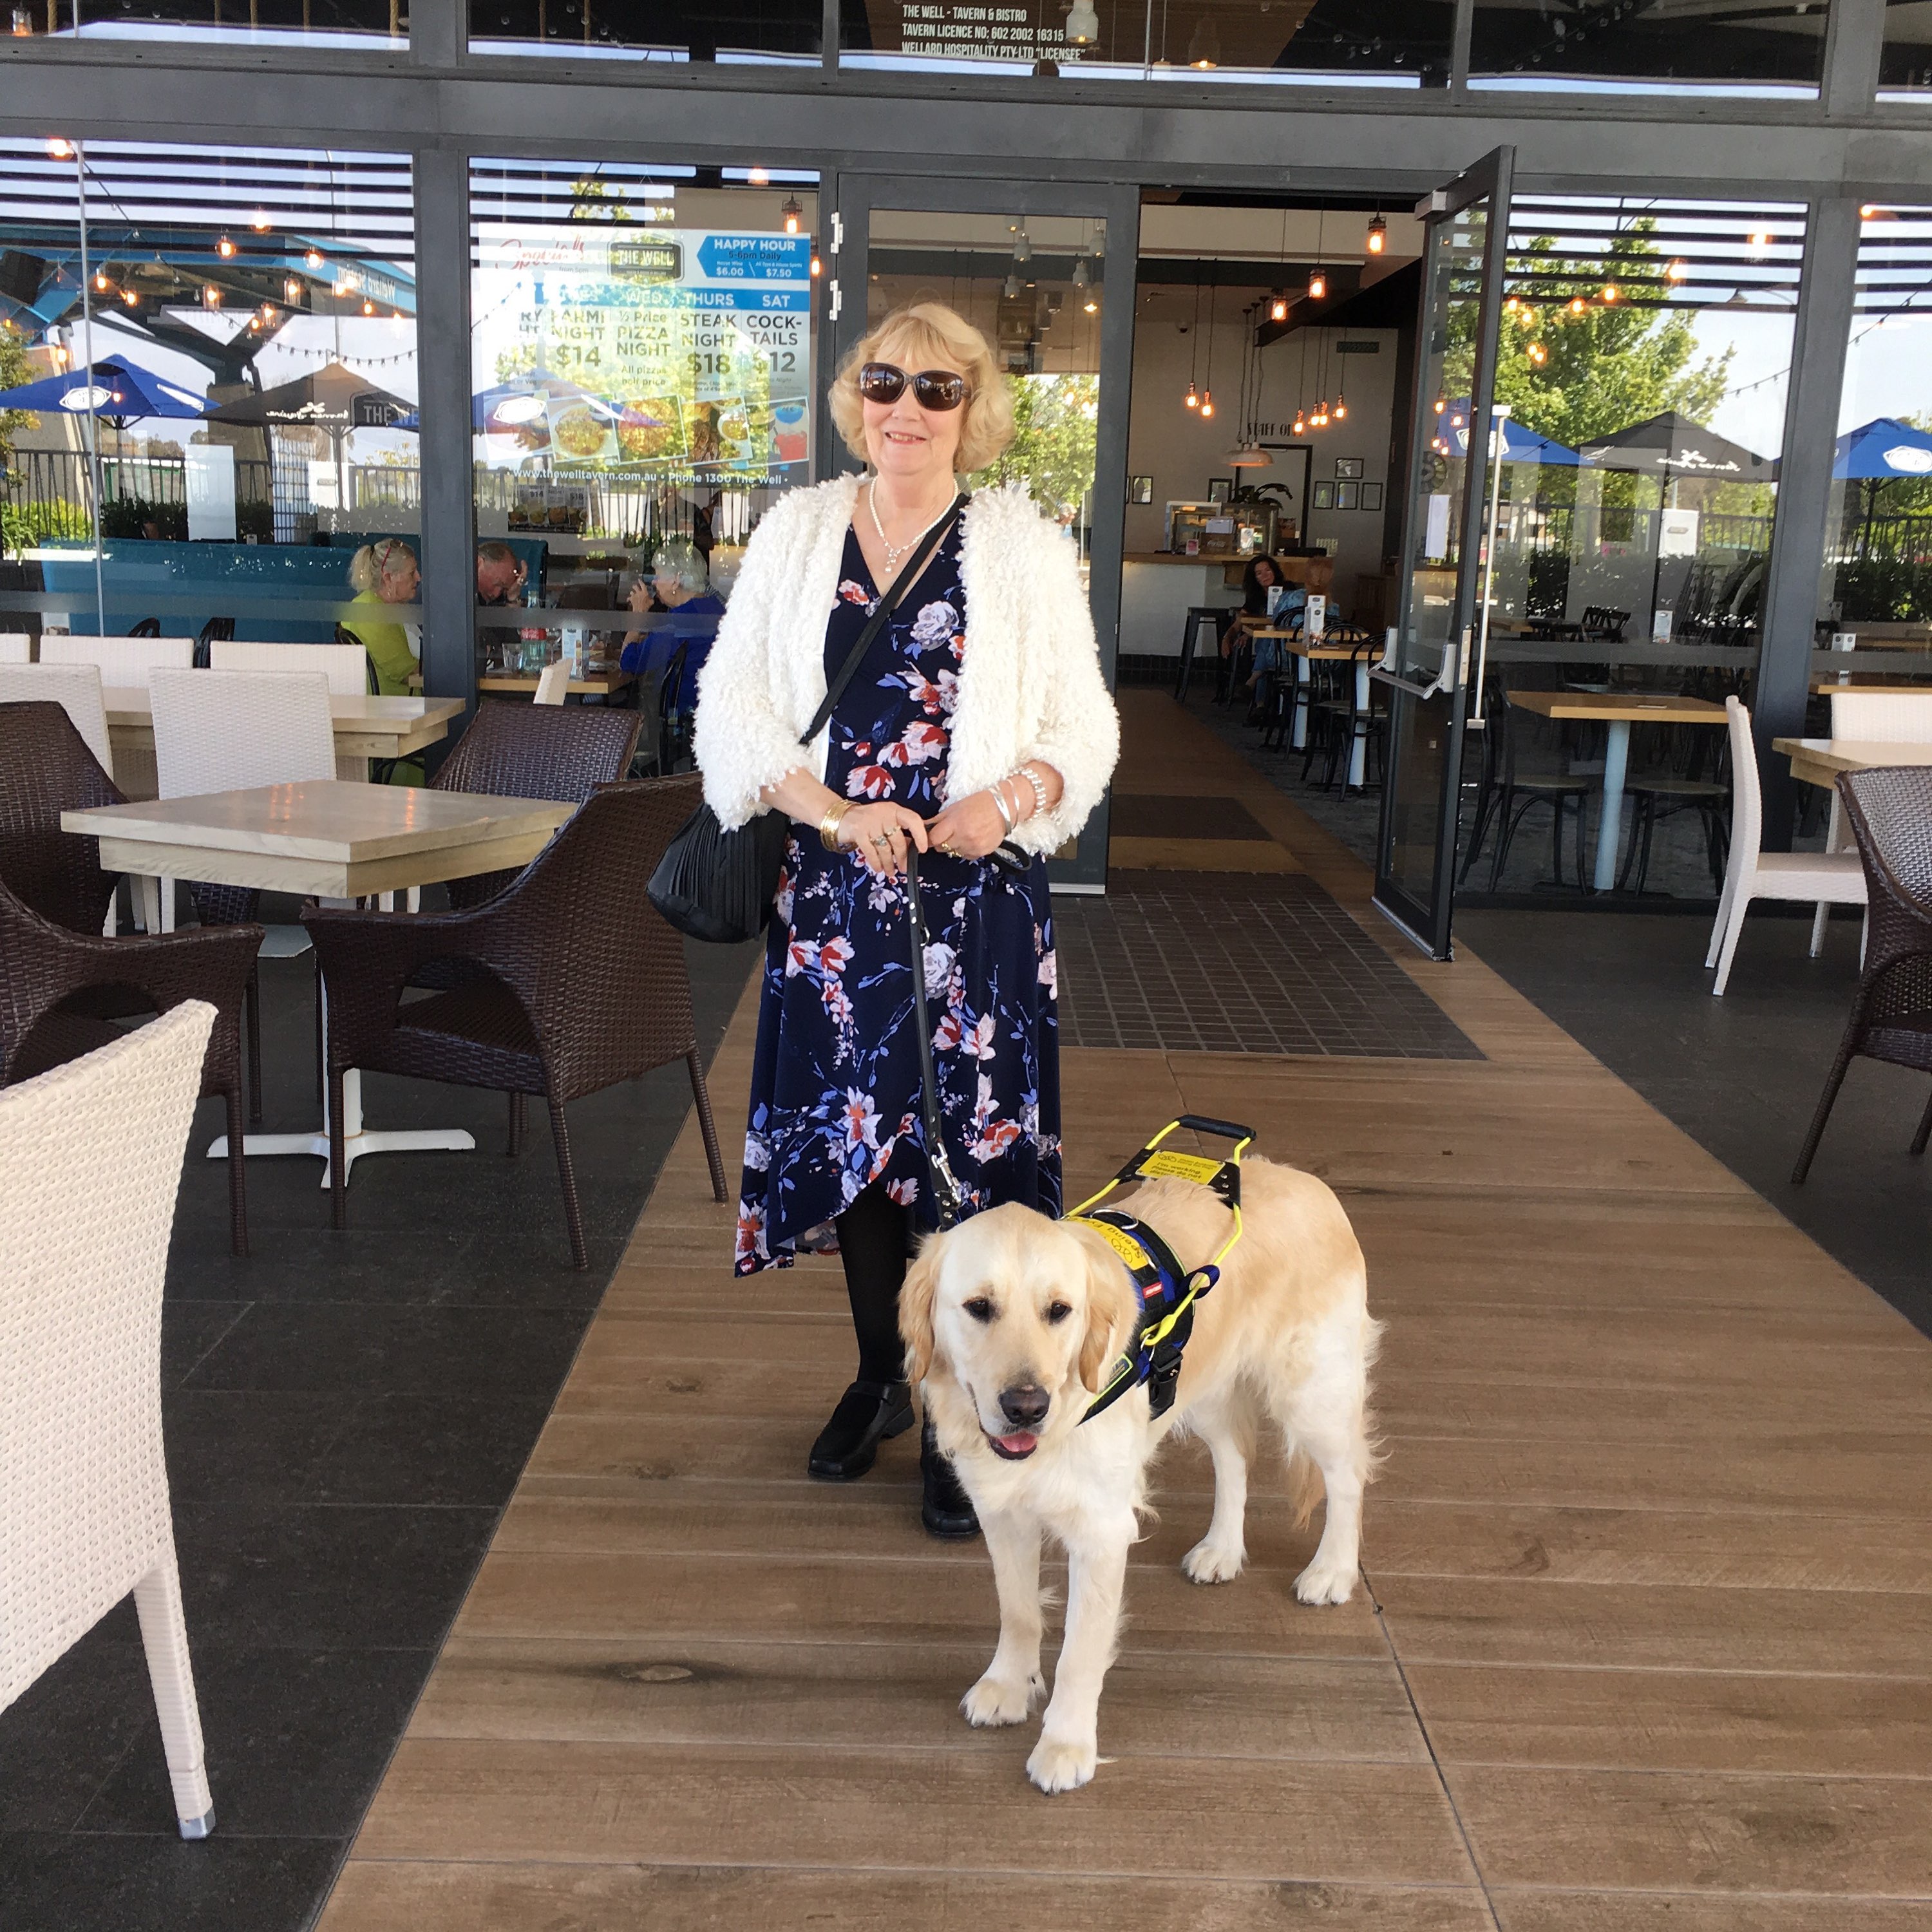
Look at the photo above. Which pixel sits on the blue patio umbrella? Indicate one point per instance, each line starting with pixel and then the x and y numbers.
pixel 1521 444
pixel 1883 448
pixel 119 390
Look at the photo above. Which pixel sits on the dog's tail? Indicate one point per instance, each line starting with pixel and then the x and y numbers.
pixel 1305 1487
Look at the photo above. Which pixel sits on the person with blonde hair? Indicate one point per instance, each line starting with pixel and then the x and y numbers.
pixel 385 572
pixel 978 718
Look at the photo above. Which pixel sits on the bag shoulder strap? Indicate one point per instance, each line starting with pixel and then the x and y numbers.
pixel 887 604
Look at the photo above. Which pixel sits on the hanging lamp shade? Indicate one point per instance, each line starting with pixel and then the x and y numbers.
pixel 1083 24
pixel 1378 237
pixel 1249 456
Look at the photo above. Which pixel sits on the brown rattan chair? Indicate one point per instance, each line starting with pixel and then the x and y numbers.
pixel 46 768
pixel 60 992
pixel 1890 812
pixel 581 983
pixel 561 751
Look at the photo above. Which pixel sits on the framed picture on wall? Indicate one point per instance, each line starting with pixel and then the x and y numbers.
pixel 1325 496
pixel 1140 489
pixel 1371 495
pixel 1347 469
pixel 1347 496
pixel 1220 489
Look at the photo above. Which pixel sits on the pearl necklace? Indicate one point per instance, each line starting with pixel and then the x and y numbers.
pixel 894 551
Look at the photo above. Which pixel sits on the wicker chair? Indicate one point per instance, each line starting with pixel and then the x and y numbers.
pixel 582 984
pixel 521 750
pixel 124 661
pixel 46 769
pixel 62 992
pixel 90 1164
pixel 1889 810
pixel 16 647
pixel 76 687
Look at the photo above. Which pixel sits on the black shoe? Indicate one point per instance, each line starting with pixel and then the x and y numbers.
pixel 868 1413
pixel 944 1507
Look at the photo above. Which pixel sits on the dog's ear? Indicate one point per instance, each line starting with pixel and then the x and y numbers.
pixel 916 1296
pixel 1112 1307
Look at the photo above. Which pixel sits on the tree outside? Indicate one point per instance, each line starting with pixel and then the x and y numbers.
pixel 1056 430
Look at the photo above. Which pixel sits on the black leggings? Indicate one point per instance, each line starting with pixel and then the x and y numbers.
pixel 875 1243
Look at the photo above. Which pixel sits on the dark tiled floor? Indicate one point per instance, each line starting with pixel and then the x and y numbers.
pixel 346 1416
pixel 1235 962
pixel 1741 1074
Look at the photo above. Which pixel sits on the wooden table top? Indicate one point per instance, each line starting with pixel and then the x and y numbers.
pixel 1298 646
pixel 365 726
pixel 1875 687
pixel 1819 760
pixel 600 684
pixel 331 837
pixel 1615 707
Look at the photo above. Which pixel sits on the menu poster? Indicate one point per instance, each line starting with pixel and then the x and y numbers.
pixel 670 354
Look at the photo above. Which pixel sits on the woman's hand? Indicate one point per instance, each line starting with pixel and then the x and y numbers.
pixel 880 834
pixel 640 597
pixel 973 827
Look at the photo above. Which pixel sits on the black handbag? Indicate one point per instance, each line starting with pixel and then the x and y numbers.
pixel 718 886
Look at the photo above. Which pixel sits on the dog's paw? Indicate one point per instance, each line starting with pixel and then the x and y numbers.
pixel 1001 1700
pixel 1208 1562
pixel 1062 1764
pixel 1325 1583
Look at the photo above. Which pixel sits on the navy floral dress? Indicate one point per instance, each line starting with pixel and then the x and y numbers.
pixel 836 1099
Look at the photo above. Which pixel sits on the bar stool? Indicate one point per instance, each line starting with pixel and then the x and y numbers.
pixel 1198 614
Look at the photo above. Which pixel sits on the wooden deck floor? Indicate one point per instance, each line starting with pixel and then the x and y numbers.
pixel 1644 1645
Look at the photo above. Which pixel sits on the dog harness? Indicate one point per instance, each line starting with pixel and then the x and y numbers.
pixel 1165 1291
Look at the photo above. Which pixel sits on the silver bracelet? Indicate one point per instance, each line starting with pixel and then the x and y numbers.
pixel 1033 778
pixel 1005 810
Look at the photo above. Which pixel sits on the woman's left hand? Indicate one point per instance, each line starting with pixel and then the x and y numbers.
pixel 969 829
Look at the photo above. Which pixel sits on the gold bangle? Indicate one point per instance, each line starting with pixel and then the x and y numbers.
pixel 828 826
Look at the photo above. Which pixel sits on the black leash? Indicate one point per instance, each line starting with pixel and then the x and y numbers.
pixel 946 1190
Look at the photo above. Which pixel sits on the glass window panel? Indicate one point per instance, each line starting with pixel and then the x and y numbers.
pixel 641 364
pixel 1398 42
pixel 1668 46
pixel 1645 354
pixel 259 23
pixel 1905 63
pixel 1877 586
pixel 674 30
pixel 253 313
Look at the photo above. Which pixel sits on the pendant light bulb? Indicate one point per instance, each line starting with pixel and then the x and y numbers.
pixel 1081 277
pixel 1083 24
pixel 1441 403
pixel 1378 237
pixel 1207 403
pixel 1341 407
pixel 1318 285
pixel 1301 425
pixel 225 249
pixel 793 213
pixel 1092 306
pixel 1193 397
pixel 1012 290
pixel 1278 308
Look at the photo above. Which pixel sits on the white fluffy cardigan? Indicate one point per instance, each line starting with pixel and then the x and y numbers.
pixel 1030 683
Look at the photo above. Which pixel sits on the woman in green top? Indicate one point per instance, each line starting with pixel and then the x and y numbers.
pixel 385 573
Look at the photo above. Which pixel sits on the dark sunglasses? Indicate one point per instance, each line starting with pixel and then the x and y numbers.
pixel 932 389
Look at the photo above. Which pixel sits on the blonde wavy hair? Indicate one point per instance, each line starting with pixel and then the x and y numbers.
pixel 929 335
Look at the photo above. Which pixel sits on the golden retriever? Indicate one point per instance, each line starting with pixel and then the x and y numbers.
pixel 1011 1323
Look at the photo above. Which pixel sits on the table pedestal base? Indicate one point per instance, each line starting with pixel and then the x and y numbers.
pixel 357 1139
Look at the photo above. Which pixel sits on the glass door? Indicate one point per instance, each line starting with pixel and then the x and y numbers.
pixel 1046 273
pixel 1432 668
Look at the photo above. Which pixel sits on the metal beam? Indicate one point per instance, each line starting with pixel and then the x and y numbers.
pixel 1828 289
pixel 442 343
pixel 1854 37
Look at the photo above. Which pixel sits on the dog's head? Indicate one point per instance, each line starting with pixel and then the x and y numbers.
pixel 1024 1314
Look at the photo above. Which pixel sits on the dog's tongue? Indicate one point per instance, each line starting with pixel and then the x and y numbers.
pixel 1020 1444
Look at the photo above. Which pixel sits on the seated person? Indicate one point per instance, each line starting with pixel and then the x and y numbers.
pixel 380 573
pixel 500 577
pixel 680 594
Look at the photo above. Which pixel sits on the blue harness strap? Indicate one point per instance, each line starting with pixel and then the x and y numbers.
pixel 1167 1293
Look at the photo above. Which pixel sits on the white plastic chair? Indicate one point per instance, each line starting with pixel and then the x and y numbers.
pixel 1834 878
pixel 124 662
pixel 346 666
pixel 232 730
pixel 90 1164
pixel 16 647
pixel 1872 718
pixel 553 682
pixel 76 687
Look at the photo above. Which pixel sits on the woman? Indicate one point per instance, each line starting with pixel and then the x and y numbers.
pixel 680 588
pixel 385 573
pixel 979 716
